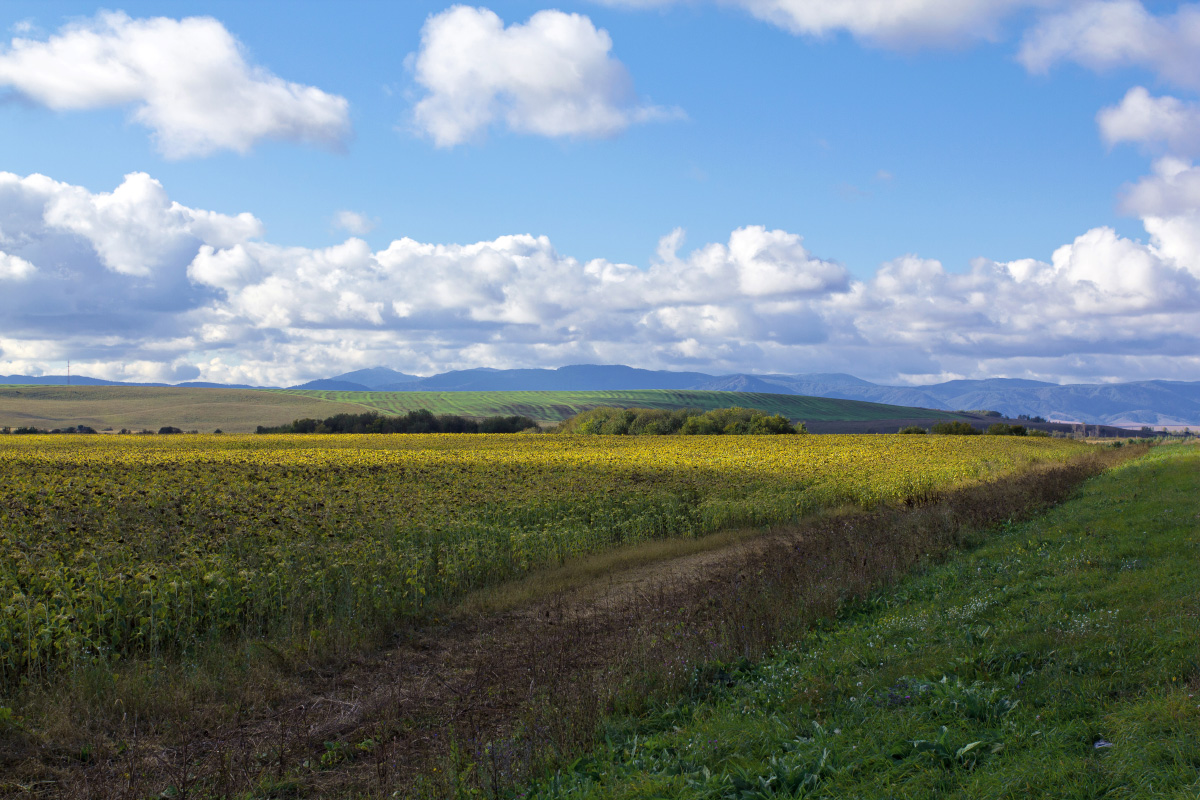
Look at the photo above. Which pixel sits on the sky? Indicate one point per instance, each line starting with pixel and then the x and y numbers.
pixel 909 191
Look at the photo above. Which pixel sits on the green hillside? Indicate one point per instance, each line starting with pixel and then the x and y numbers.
pixel 556 406
pixel 242 410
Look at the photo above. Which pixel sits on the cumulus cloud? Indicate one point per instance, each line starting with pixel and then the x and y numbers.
pixel 1162 122
pixel 106 264
pixel 1172 189
pixel 553 75
pixel 897 23
pixel 137 229
pixel 1117 33
pixel 188 81
pixel 353 222
pixel 203 295
pixel 14 268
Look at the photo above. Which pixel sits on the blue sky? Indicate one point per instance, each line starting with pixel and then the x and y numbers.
pixel 909 194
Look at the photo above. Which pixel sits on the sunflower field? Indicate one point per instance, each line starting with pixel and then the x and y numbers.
pixel 118 546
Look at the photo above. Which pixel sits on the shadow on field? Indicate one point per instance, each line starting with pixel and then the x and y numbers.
pixel 484 701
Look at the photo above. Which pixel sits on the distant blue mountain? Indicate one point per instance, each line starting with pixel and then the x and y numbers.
pixel 377 377
pixel 333 385
pixel 63 380
pixel 1138 403
pixel 1141 403
pixel 84 380
pixel 574 378
pixel 208 385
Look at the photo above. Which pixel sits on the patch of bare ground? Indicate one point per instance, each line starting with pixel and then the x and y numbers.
pixel 500 689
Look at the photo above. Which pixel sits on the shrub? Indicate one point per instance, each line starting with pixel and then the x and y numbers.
pixel 511 424
pixel 955 428
pixel 913 429
pixel 688 422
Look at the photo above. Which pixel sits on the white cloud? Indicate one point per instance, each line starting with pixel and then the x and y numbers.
pixel 641 3
pixel 200 291
pixel 896 23
pixel 1164 121
pixel 1117 33
pixel 353 222
pixel 1172 190
pixel 14 268
pixel 551 76
pixel 137 229
pixel 187 80
pixel 105 264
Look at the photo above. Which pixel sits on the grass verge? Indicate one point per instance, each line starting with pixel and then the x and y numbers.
pixel 1059 659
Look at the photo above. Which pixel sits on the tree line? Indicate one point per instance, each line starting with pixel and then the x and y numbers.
pixel 960 428
pixel 611 421
pixel 421 421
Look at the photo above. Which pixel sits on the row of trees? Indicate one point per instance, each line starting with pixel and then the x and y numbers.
pixel 422 421
pixel 611 421
pixel 26 429
pixel 959 428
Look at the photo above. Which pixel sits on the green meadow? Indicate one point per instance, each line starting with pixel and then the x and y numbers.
pixel 1061 658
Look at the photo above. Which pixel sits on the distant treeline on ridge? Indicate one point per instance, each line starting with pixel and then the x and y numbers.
pixel 422 421
pixel 685 422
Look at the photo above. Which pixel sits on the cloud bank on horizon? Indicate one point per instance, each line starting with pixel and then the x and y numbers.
pixel 203 296
pixel 132 285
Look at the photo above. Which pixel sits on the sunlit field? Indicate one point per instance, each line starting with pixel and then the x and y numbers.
pixel 131 546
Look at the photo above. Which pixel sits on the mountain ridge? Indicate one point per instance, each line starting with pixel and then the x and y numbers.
pixel 1135 403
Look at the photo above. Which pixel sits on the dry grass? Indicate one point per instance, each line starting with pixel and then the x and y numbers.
pixel 138 408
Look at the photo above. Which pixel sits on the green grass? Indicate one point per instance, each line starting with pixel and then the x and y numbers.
pixel 1060 659
pixel 557 406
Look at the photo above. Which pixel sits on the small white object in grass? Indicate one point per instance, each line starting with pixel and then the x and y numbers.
pixel 1102 743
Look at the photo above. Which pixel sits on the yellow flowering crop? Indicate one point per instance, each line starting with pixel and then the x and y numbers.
pixel 111 546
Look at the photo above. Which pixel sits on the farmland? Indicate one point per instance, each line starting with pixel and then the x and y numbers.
pixel 243 410
pixel 155 546
pixel 1058 659
pixel 146 407
pixel 556 406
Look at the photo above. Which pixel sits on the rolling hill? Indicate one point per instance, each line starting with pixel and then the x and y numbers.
pixel 242 410
pixel 1134 404
pixel 1129 404
pixel 552 406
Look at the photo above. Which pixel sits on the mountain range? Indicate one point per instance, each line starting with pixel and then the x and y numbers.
pixel 1155 403
pixel 1139 403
